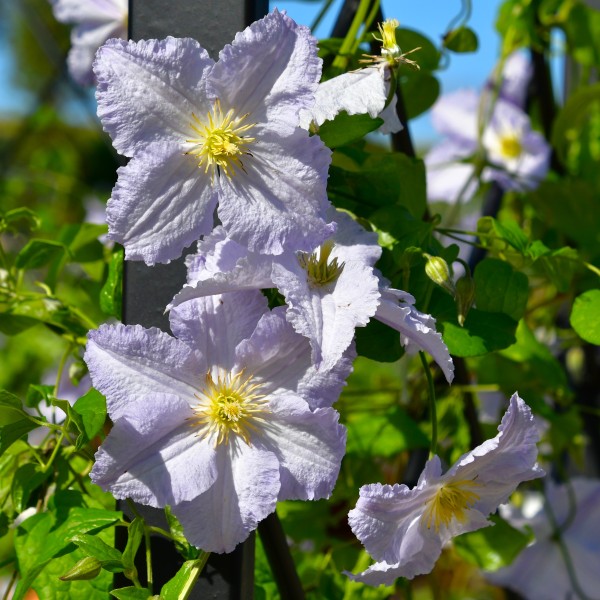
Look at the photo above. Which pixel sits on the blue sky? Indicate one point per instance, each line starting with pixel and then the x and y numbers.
pixel 430 17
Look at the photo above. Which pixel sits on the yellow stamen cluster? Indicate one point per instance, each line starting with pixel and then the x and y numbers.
pixel 220 141
pixel 387 29
pixel 452 501
pixel 229 405
pixel 319 269
pixel 510 146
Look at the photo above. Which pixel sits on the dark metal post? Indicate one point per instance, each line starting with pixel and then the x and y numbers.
pixel 147 290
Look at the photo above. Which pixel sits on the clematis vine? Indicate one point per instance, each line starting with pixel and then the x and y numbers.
pixel 203 135
pixel 95 22
pixel 365 91
pixel 509 151
pixel 404 529
pixel 329 291
pixel 573 508
pixel 217 422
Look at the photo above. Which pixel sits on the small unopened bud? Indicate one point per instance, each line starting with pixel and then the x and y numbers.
pixel 87 568
pixel 465 296
pixel 438 271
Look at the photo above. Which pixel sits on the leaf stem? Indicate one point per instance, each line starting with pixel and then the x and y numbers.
pixel 432 405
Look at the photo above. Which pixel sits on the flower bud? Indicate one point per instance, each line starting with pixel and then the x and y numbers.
pixel 438 271
pixel 87 568
pixel 465 296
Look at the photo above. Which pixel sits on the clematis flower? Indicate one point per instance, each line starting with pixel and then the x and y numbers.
pixel 95 22
pixel 329 292
pixel 364 91
pixel 579 525
pixel 202 134
pixel 404 529
pixel 215 423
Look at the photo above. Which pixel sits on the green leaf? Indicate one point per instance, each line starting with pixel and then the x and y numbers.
pixel 10 433
pixel 384 435
pixel 109 557
pixel 111 294
pixel 11 324
pixel 131 593
pixel 585 316
pixel 492 548
pixel 461 39
pixel 345 128
pixel 26 479
pixel 135 534
pixel 378 342
pixel 184 580
pixel 573 118
pixel 559 266
pixel 19 218
pixel 420 91
pixel 82 241
pixel 9 401
pixel 38 393
pixel 499 288
pixel 427 57
pixel 92 409
pixel 37 253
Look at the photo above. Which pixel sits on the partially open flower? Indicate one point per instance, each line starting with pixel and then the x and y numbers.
pixel 404 529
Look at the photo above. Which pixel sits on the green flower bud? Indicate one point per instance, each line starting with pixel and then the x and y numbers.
pixel 465 296
pixel 87 568
pixel 438 271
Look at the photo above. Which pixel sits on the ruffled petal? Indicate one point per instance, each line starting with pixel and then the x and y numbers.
pixel 281 359
pixel 275 67
pixel 417 329
pixel 215 325
pixel 152 455
pixel 161 203
pixel 309 447
pixel 128 360
pixel 455 115
pixel 244 494
pixel 280 202
pixel 500 464
pixel 148 90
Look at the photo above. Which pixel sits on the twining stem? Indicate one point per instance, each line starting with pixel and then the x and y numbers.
pixel 565 551
pixel 432 405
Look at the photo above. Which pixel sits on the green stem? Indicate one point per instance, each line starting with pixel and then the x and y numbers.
pixel 59 442
pixel 148 557
pixel 61 367
pixel 432 405
pixel 193 576
pixel 565 552
pixel 341 60
pixel 592 268
pixel 321 15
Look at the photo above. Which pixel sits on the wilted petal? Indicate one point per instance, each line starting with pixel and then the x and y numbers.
pixel 417 329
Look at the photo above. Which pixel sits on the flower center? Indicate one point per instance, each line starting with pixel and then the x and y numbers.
pixel 220 141
pixel 229 405
pixel 319 269
pixel 510 146
pixel 387 29
pixel 452 500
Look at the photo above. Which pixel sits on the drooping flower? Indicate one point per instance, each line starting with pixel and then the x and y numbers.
pixel 216 423
pixel 364 91
pixel 578 519
pixel 404 529
pixel 95 22
pixel 202 134
pixel 329 291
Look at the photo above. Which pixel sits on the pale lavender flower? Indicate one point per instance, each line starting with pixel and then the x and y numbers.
pixel 202 134
pixel 514 79
pixel 329 292
pixel 539 571
pixel 215 423
pixel 95 22
pixel 404 529
pixel 518 156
